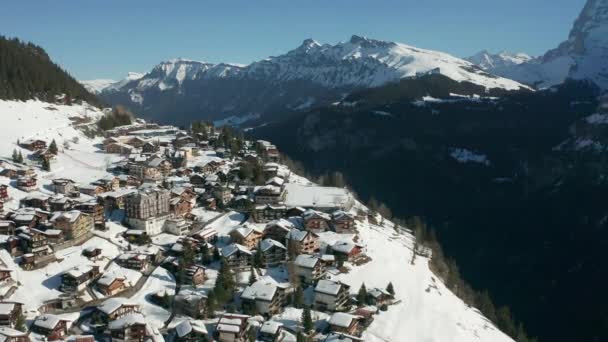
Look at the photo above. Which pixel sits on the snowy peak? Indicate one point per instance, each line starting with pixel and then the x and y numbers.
pixel 97 86
pixel 490 62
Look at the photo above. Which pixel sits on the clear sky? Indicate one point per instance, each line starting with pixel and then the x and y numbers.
pixel 106 39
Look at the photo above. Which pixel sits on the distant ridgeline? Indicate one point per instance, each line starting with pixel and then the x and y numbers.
pixel 26 72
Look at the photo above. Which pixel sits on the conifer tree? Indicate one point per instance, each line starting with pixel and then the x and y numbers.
pixel 252 277
pixel 307 322
pixel 390 289
pixel 362 295
pixel 46 165
pixel 53 147
pixel 298 298
pixel 258 257
pixel 15 156
pixel 20 322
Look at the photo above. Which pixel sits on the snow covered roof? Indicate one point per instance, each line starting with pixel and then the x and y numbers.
pixel 342 319
pixel 109 277
pixel 306 261
pixel 113 304
pixel 378 292
pixel 328 286
pixel 297 235
pixel 312 196
pixel 47 321
pixel 78 271
pixel 312 214
pixel 271 327
pixel 233 248
pixel 70 216
pixel 6 308
pixel 186 327
pixel 263 289
pixel 343 246
pixel 127 321
pixel 266 244
pixel 10 332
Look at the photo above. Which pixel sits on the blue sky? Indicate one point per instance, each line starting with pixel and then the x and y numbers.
pixel 106 39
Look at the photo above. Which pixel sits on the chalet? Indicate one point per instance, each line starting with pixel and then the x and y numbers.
pixel 269 194
pixel 331 295
pixel 7 227
pixel 3 192
pixel 184 141
pixel 150 147
pixel 93 209
pixel 9 313
pixel 9 172
pixel 91 189
pixel 12 244
pixel 237 256
pixel 208 235
pixel 120 148
pixel 341 322
pixel 195 275
pixel 35 200
pixel 53 236
pixel 241 203
pixel 27 183
pixel 190 303
pixel 108 183
pixel 276 181
pixel 144 172
pixel 247 235
pixel 52 326
pixel 73 224
pixel 130 327
pixel 180 206
pixel 44 155
pixel 302 242
pixel 278 229
pixel 309 268
pixel 274 252
pixel 78 277
pixel 36 242
pixel 264 296
pixel 26 172
pixel 232 328
pixel 115 200
pixel 133 260
pixel 135 141
pixel 28 217
pixel 163 166
pixel 343 222
pixel 33 144
pixel 316 221
pixel 295 211
pixel 197 179
pixel 177 226
pixel 111 284
pixel 12 335
pixel 380 297
pixel 270 331
pixel 268 212
pixel 347 250
pixel 60 203
pixel 117 307
pixel 128 180
pixel 222 194
pixel 91 252
pixel 190 331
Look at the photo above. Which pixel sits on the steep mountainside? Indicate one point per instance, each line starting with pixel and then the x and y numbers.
pixel 512 184
pixel 583 56
pixel 26 71
pixel 308 76
pixel 501 61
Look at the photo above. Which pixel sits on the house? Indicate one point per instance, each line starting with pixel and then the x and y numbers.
pixel 73 224
pixel 7 227
pixel 269 194
pixel 91 252
pixel 343 222
pixel 190 331
pixel 316 221
pixel 278 229
pixel 247 235
pixel 133 260
pixel 380 297
pixel 207 235
pixel 309 268
pixel 77 278
pixel 241 203
pixel 190 303
pixel 331 295
pixel 302 242
pixel 341 322
pixel 119 148
pixel 64 186
pixel 111 283
pixel 93 209
pixel 267 212
pixel 27 183
pixel 150 147
pixel 274 252
pixel 3 192
pixel 346 250
pixel 60 203
pixel 110 183
pixel 265 297
pixel 144 172
pixel 35 200
pixel 232 328
pixel 52 326
pixel 53 236
pixel 270 331
pixel 237 256
pixel 33 144
pixel 195 275
pixel 11 335
pixel 148 209
pixel 117 307
pixel 130 327
pixel 9 313
pixel 222 194
pixel 28 217
pixel 180 206
pixel 91 189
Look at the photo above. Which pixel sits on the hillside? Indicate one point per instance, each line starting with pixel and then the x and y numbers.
pixel 26 71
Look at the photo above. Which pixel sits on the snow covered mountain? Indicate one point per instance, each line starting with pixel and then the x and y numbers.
pixel 494 63
pixel 583 56
pixel 312 74
pixel 98 85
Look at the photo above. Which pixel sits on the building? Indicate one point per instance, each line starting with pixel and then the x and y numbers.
pixel 278 229
pixel 195 275
pixel 269 194
pixel 27 183
pixel 302 242
pixel 33 144
pixel 268 212
pixel 73 224
pixel 331 295
pixel 9 313
pixel 111 284
pixel 190 303
pixel 309 269
pixel 343 222
pixel 7 227
pixel 148 209
pixel 346 250
pixel 341 322
pixel 316 221
pixel 274 252
pixel 232 328
pixel 133 261
pixel 380 297
pixel 177 226
pixel 51 326
pixel 239 257
pixel 180 206
pixel 127 328
pixel 3 192
pixel 11 335
pixel 93 209
pixel 117 307
pixel 264 297
pixel 270 331
pixel 190 331
pixel 78 278
pixel 247 235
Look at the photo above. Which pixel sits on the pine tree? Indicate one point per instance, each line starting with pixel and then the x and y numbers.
pixel 211 304
pixel 307 322
pixel 258 257
pixel 53 147
pixel 300 337
pixel 252 336
pixel 390 289
pixel 216 255
pixel 15 156
pixel 252 277
pixel 20 158
pixel 362 295
pixel 298 298
pixel 20 322
pixel 46 165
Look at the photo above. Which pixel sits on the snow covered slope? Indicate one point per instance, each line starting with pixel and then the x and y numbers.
pixel 99 85
pixel 583 56
pixel 495 63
